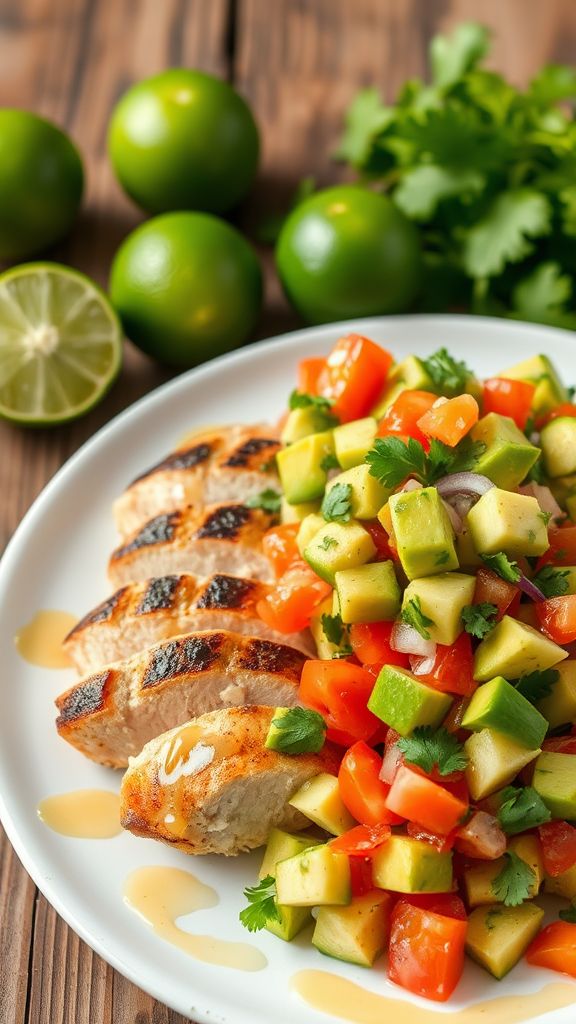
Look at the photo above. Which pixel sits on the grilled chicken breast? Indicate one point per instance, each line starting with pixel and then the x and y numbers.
pixel 230 464
pixel 210 786
pixel 220 538
pixel 110 715
pixel 141 614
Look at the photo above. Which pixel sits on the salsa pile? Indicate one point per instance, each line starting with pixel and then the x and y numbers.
pixel 427 540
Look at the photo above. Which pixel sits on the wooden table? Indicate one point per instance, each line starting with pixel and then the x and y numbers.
pixel 298 62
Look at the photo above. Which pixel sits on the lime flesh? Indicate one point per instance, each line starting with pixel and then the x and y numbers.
pixel 60 344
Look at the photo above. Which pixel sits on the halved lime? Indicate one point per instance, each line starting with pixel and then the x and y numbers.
pixel 60 344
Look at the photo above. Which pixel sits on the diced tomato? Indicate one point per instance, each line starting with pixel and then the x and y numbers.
pixel 555 948
pixel 370 642
pixel 491 589
pixel 309 371
pixel 361 788
pixel 450 420
pixel 558 841
pixel 564 409
pixel 560 744
pixel 481 837
pixel 425 802
pixel 362 841
pixel 447 904
pixel 290 604
pixel 384 548
pixel 339 690
pixel 562 550
pixel 361 875
pixel 401 419
pixel 511 398
pixel 279 546
pixel 452 671
pixel 426 951
pixel 557 617
pixel 354 376
pixel 441 843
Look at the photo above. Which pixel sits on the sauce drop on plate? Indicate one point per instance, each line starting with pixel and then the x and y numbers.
pixel 40 640
pixel 162 895
pixel 344 999
pixel 82 813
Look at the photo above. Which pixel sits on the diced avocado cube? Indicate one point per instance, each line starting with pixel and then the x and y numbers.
pixel 493 761
pixel 369 593
pixel 317 877
pixel 353 441
pixel 466 552
pixel 292 921
pixel 424 534
pixel 559 707
pixel 403 702
pixel 513 649
pixel 324 647
pixel 339 546
pixel 303 422
pixel 498 936
pixel 413 373
pixel 297 513
pixel 478 879
pixel 509 456
pixel 500 706
pixel 300 467
pixel 367 494
pixel 309 527
pixel 356 933
pixel 282 845
pixel 562 487
pixel 504 521
pixel 558 442
pixel 555 780
pixel 562 885
pixel 319 799
pixel 404 864
pixel 442 599
pixel 539 370
pixel 388 398
pixel 570 577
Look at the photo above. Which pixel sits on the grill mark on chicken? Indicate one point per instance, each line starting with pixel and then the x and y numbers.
pixel 182 657
pixel 226 592
pixel 189 458
pixel 101 613
pixel 265 656
pixel 160 594
pixel 85 699
pixel 225 523
pixel 254 446
pixel 159 530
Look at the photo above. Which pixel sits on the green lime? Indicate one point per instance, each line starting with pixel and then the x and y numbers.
pixel 60 344
pixel 184 140
pixel 187 287
pixel 347 252
pixel 41 181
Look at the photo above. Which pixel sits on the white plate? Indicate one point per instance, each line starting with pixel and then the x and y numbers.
pixel 57 560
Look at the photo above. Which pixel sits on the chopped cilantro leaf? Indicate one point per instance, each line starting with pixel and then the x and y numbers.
pixel 328 462
pixel 503 567
pixel 521 809
pixel 479 619
pixel 392 461
pixel 552 582
pixel 413 616
pixel 262 906
pixel 299 731
pixel 332 628
pixel 448 374
pixel 268 500
pixel 512 885
pixel 535 685
pixel 428 747
pixel 569 914
pixel 337 503
pixel 328 542
pixel 300 400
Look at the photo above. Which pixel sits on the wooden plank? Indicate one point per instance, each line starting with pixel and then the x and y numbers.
pixel 17 893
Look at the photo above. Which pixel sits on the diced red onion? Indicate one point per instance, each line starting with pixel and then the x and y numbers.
pixel 407 640
pixel 530 589
pixel 464 483
pixel 481 837
pixel 411 485
pixel 545 499
pixel 454 517
pixel 422 666
pixel 390 763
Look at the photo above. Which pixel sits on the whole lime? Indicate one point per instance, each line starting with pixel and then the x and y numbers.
pixel 41 182
pixel 187 287
pixel 347 252
pixel 183 140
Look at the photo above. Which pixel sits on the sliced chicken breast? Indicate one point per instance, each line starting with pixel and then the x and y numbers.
pixel 141 614
pixel 210 786
pixel 220 538
pixel 229 464
pixel 109 716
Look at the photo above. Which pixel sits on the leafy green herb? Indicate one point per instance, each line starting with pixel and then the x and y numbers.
pixel 299 731
pixel 328 542
pixel 262 906
pixel 537 473
pixel 265 467
pixel 479 619
pixel 300 400
pixel 552 582
pixel 569 914
pixel 268 500
pixel 344 652
pixel 428 747
pixel 337 503
pixel 521 809
pixel 391 460
pixel 329 462
pixel 512 885
pixel 535 685
pixel 503 567
pixel 545 517
pixel 448 374
pixel 332 627
pixel 413 615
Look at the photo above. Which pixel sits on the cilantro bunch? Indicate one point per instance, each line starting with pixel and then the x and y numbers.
pixel 489 174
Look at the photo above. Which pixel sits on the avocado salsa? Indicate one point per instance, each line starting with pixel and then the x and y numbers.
pixel 427 538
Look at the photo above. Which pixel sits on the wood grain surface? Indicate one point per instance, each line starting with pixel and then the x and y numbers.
pixel 298 62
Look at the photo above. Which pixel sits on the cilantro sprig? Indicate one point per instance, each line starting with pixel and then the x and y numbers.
pixel 392 460
pixel 332 627
pixel 449 375
pixel 413 615
pixel 300 400
pixel 429 748
pixel 479 619
pixel 521 809
pixel 262 906
pixel 537 684
pixel 513 883
pixel 569 914
pixel 552 582
pixel 503 566
pixel 337 504
pixel 268 500
pixel 299 731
